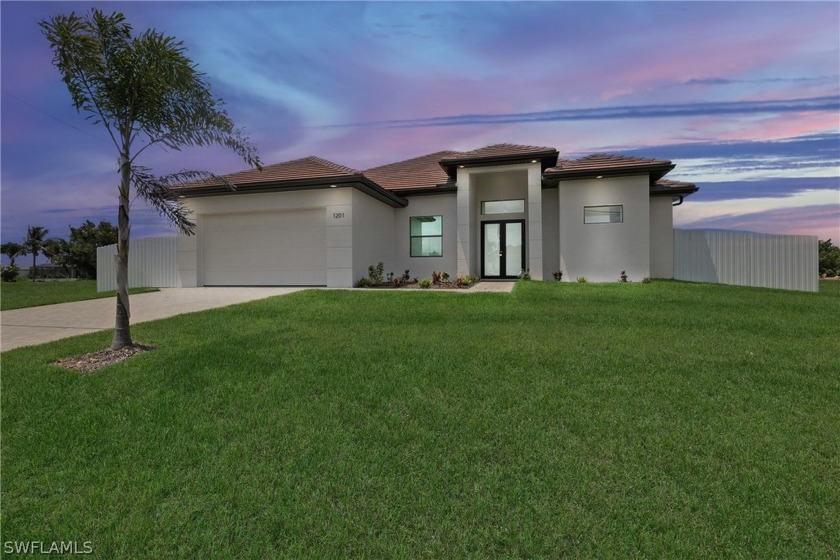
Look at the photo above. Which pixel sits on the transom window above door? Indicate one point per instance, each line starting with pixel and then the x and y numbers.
pixel 514 206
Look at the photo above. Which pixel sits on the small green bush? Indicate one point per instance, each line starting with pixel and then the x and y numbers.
pixel 363 283
pixel 425 283
pixel 582 280
pixel 465 281
pixel 376 274
pixel 9 273
pixel 558 275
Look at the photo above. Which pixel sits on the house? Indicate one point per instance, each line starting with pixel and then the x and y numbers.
pixel 491 212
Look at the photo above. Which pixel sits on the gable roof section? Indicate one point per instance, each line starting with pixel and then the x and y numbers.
pixel 500 154
pixel 423 172
pixel 608 164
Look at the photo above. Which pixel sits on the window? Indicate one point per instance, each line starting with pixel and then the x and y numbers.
pixel 603 214
pixel 503 206
pixel 426 236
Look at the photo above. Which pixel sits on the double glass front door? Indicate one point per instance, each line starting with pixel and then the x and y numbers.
pixel 502 248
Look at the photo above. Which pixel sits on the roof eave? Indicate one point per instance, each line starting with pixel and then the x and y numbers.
pixel 358 181
pixel 444 188
pixel 655 171
pixel 673 191
pixel 546 158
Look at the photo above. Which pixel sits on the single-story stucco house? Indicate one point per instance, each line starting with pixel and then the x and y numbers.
pixel 491 212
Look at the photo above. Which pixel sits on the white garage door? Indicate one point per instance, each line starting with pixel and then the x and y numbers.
pixel 264 249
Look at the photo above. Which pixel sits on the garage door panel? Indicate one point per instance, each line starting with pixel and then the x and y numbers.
pixel 264 248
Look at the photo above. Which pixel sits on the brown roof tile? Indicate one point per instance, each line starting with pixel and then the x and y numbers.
pixel 420 172
pixel 608 164
pixel 605 162
pixel 305 168
pixel 499 150
pixel 669 186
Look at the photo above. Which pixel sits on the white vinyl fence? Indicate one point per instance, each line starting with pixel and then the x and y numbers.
pixel 741 258
pixel 152 263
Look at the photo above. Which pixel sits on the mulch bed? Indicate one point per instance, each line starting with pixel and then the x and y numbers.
pixel 93 361
pixel 441 286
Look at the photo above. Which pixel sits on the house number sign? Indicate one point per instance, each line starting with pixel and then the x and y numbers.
pixel 338 215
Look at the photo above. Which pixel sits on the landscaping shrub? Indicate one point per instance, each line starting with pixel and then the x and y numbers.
pixel 9 273
pixel 376 274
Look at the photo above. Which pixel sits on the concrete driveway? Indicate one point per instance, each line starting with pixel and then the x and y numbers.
pixel 36 325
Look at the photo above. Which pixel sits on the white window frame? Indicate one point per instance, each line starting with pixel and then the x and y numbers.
pixel 603 214
pixel 484 212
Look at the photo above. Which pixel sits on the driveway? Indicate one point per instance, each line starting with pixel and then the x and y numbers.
pixel 36 325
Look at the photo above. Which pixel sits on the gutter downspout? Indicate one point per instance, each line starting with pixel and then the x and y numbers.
pixel 681 197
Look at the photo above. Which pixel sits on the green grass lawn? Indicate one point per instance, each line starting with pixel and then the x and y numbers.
pixel 663 420
pixel 23 293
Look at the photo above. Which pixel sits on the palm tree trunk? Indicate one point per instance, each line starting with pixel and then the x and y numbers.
pixel 122 330
pixel 32 276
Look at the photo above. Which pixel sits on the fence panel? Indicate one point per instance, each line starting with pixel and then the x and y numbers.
pixel 152 263
pixel 742 258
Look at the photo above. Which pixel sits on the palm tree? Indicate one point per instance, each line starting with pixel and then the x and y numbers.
pixel 34 244
pixel 145 91
pixel 11 250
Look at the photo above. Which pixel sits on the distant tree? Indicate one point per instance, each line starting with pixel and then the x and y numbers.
pixel 142 89
pixel 12 251
pixel 34 244
pixel 58 251
pixel 83 243
pixel 829 256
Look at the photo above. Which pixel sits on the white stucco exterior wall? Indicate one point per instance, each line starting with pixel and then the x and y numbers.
pixel 535 227
pixel 465 219
pixel 373 235
pixel 550 235
pixel 661 237
pixel 600 252
pixel 186 259
pixel 444 205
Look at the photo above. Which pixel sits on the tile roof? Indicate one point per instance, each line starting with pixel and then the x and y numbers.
pixel 420 172
pixel 670 183
pixel 499 150
pixel 436 169
pixel 598 162
pixel 305 168
pixel 669 186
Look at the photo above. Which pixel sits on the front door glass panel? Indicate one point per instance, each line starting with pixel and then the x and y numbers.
pixel 492 249
pixel 513 249
pixel 503 249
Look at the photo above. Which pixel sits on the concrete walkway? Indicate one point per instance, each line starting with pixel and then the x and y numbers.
pixel 36 325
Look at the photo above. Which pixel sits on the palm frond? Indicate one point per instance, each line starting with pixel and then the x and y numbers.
pixel 157 192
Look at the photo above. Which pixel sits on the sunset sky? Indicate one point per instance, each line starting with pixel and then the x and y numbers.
pixel 743 97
